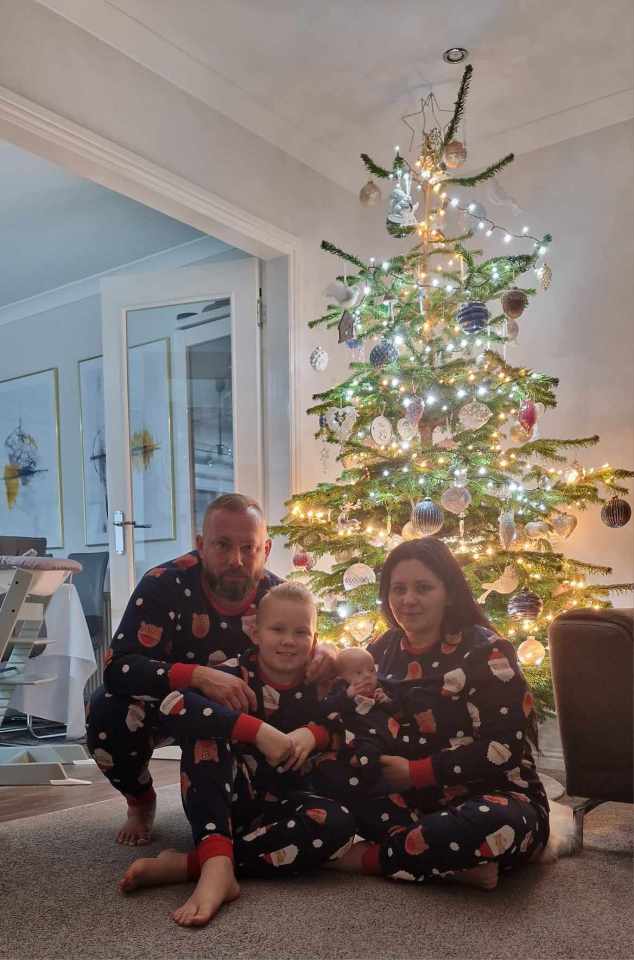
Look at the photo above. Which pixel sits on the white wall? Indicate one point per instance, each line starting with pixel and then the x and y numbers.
pixel 570 188
pixel 581 329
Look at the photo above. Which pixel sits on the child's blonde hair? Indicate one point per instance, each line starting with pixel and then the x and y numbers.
pixel 295 592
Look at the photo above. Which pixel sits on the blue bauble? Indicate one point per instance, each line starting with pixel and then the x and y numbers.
pixel 384 352
pixel 353 344
pixel 473 316
pixel 525 605
pixel 427 517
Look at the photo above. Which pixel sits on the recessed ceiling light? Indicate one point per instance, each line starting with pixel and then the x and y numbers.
pixel 454 55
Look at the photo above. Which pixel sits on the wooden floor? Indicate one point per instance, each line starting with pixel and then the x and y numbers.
pixel 16 803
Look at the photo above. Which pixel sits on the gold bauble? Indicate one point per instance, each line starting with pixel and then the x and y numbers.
pixel 455 154
pixel 531 653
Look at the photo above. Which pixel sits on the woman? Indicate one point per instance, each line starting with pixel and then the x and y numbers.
pixel 472 805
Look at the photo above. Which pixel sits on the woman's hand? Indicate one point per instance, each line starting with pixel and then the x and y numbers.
pixel 396 772
pixel 302 745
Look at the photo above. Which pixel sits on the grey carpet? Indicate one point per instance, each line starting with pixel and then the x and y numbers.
pixel 59 900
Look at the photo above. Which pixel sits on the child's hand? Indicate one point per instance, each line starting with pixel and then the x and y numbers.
pixel 302 745
pixel 361 688
pixel 381 696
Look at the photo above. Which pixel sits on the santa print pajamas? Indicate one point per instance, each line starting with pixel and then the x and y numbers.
pixel 169 626
pixel 230 791
pixel 476 796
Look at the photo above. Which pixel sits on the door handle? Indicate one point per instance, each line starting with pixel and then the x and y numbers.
pixel 119 522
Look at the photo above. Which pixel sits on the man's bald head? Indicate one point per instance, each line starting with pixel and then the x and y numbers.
pixel 233 546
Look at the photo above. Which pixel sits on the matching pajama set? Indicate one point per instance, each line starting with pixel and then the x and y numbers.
pixel 476 796
pixel 171 625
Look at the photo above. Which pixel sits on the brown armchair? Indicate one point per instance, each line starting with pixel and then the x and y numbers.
pixel 592 659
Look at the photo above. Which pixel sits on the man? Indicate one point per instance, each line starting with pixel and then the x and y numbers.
pixel 184 617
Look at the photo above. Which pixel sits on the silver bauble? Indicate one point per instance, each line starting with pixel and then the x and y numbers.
pixel 369 195
pixel 319 359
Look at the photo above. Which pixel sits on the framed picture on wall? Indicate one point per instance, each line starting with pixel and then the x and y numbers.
pixel 149 399
pixel 93 443
pixel 31 496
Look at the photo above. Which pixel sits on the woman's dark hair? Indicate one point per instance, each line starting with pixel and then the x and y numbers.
pixel 463 611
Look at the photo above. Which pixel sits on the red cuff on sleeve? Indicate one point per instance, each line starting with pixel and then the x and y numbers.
pixel 422 773
pixel 193 867
pixel 180 675
pixel 245 729
pixel 321 735
pixel 214 846
pixel 370 861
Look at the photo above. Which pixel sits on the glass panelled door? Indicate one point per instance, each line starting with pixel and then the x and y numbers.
pixel 183 411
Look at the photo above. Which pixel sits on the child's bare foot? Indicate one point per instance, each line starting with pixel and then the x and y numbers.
pixel 274 744
pixel 137 830
pixel 217 885
pixel 485 877
pixel 169 867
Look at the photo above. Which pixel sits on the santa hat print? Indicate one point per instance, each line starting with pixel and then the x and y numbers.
pixel 205 750
pixel 497 843
pixel 453 682
pixel 280 858
pixel 500 666
pixel 172 704
pixel 270 698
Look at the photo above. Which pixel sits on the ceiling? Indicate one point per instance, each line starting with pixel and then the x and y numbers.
pixel 56 228
pixel 325 80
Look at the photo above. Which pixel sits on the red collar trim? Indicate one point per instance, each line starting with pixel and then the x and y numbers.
pixel 276 686
pixel 414 651
pixel 225 611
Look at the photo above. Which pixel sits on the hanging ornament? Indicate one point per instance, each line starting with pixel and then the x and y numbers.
pixel 358 575
pixel 319 359
pixel 360 626
pixel 616 512
pixel 563 524
pixel 518 435
pixel 369 195
pixel 527 415
pixel 346 327
pixel 536 529
pixel 402 210
pixel 354 344
pixel 506 583
pixel 393 541
pixel 473 316
pixel 347 526
pixel 474 415
pixel 381 430
pixel 512 330
pixel 456 499
pixel 415 410
pixel 409 532
pixel 406 429
pixel 347 297
pixel 427 518
pixel 547 276
pixel 383 353
pixel 531 653
pixel 455 154
pixel 514 302
pixel 525 605
pixel 443 437
pixel 545 483
pixel 506 528
pixel 303 559
pixel 341 421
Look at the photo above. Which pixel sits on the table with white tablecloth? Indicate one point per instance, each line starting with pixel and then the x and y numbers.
pixel 69 656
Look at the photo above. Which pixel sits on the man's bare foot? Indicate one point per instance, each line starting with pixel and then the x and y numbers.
pixel 352 860
pixel 275 745
pixel 485 877
pixel 137 830
pixel 217 885
pixel 169 867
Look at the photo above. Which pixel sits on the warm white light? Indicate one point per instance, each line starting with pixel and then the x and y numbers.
pixel 507 238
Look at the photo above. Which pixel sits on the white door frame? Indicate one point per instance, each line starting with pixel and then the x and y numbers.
pixel 47 134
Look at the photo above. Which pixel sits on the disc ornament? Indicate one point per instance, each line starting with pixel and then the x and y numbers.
pixel 358 575
pixel 406 429
pixel 381 431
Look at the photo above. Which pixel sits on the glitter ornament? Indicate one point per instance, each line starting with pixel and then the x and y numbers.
pixel 474 415
pixel 369 195
pixel 547 276
pixel 341 421
pixel 473 316
pixel 456 499
pixel 358 575
pixel 514 302
pixel 381 430
pixel 616 512
pixel 384 352
pixel 406 429
pixel 563 524
pixel 527 415
pixel 427 518
pixel 536 529
pixel 455 154
pixel 303 559
pixel 525 605
pixel 319 359
pixel 506 528
pixel 518 435
pixel 415 410
pixel 531 653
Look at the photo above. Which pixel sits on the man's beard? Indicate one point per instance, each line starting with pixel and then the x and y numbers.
pixel 230 587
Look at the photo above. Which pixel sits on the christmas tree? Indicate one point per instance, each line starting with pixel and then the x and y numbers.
pixel 436 433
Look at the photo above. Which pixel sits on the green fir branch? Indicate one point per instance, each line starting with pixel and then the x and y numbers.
pixel 374 168
pixel 484 175
pixel 348 257
pixel 459 106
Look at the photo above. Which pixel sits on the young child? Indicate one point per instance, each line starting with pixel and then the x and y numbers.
pixel 248 816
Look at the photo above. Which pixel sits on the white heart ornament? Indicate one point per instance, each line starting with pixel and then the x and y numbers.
pixel 341 421
pixel 563 524
pixel 381 430
pixel 474 415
